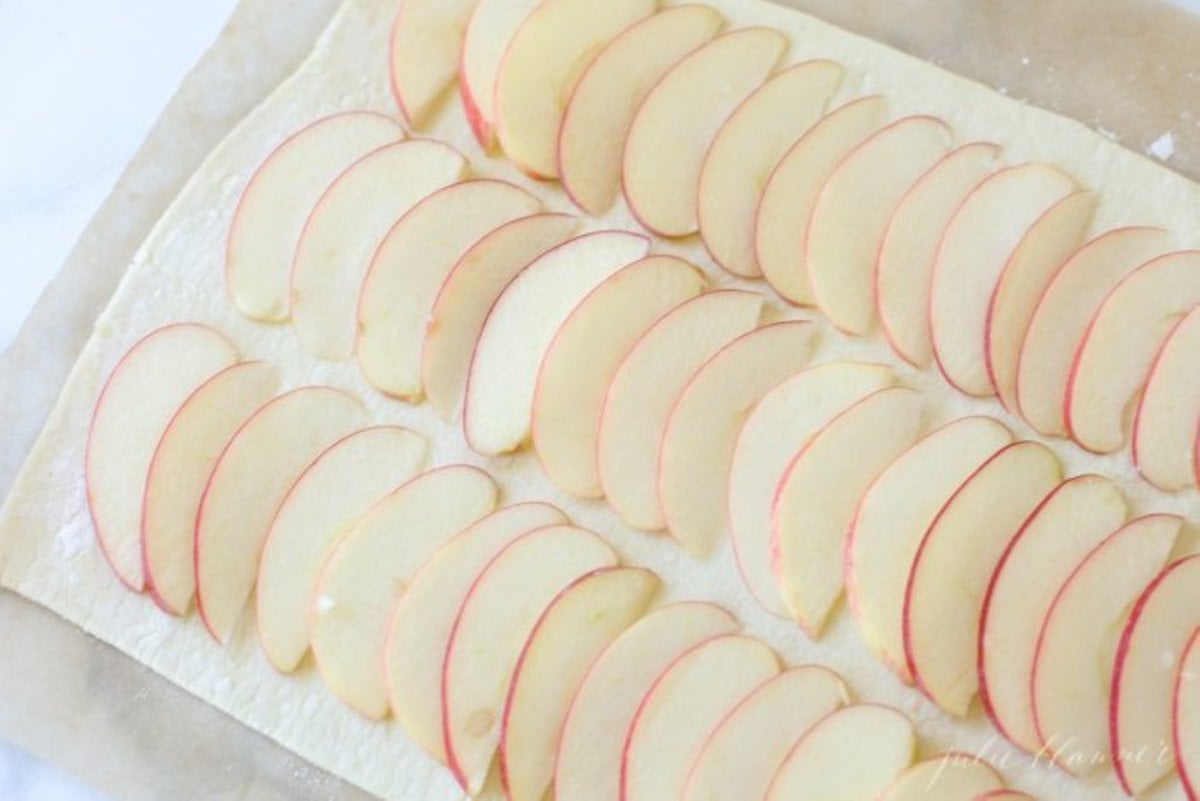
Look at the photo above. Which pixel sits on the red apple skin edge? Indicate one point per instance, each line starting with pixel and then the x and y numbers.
pixel 1122 653
pixel 483 132
pixel 392 73
pixel 1135 445
pixel 1190 786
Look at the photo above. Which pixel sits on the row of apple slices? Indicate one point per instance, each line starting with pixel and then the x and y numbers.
pixel 978 267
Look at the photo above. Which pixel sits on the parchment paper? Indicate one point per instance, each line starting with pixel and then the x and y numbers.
pixel 1119 65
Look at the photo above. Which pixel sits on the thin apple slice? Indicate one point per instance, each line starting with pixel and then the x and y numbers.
pixel 975 246
pixel 580 623
pixel 1077 642
pixel 470 289
pixel 601 107
pixel 278 198
pixel 375 560
pixel 420 627
pixel 1062 316
pixel 344 231
pixel 815 501
pixel 892 518
pixel 1185 717
pixel 179 469
pixel 498 410
pixel 410 267
pixel 946 777
pixel 1118 350
pixel 252 476
pixel 496 618
pixel 1004 795
pixel 330 496
pixel 676 123
pixel 904 269
pixel 772 430
pixel 588 766
pixel 854 753
pixel 424 52
pixel 644 388
pixel 852 211
pixel 781 222
pixel 585 353
pixel 698 439
pixel 746 749
pixel 684 707
pixel 1043 249
pixel 955 561
pixel 1167 422
pixel 543 63
pixel 1148 658
pixel 140 398
pixel 1072 520
pixel 490 30
pixel 745 151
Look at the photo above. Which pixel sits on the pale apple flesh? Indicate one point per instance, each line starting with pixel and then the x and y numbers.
pixel 1167 424
pixel 645 386
pixel 585 353
pixel 602 105
pixel 411 265
pixel 420 626
pixel 362 578
pixel 966 541
pixel 249 481
pixel 1185 717
pixel 145 390
pixel 946 777
pixel 489 31
pixel 424 51
pixel 326 500
pixel 588 763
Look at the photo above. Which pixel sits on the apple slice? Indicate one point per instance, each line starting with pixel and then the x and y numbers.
pixel 140 398
pixel 644 388
pixel 744 752
pixel 411 265
pixel 904 269
pixel 602 105
pixel 946 777
pixel 581 622
pixel 424 51
pixel 345 229
pixel 588 766
pixel 1004 795
pixel 1043 249
pixel 852 211
pixel 1185 717
pixel 496 618
pixel 497 414
pixel 975 246
pixel 1167 422
pixel 468 292
pixel 1118 350
pixel 676 124
pixel 360 581
pixel 1077 641
pixel 892 518
pixel 585 353
pixel 1062 314
pixel 746 150
pixel 490 30
pixel 856 752
pixel 1148 658
pixel 179 469
pixel 781 222
pixel 955 561
pixel 699 437
pixel 252 476
pixel 1072 520
pixel 539 70
pixel 330 496
pixel 774 429
pixel 420 627
pixel 277 200
pixel 821 488
pixel 684 707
